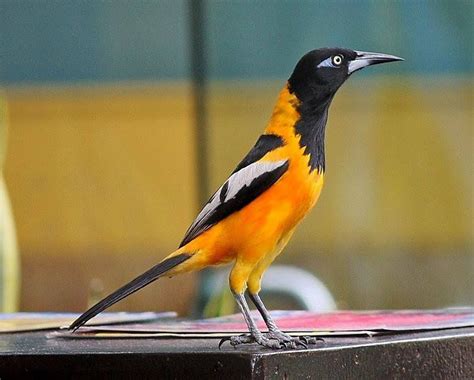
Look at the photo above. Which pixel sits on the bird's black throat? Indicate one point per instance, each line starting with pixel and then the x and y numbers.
pixel 315 87
pixel 312 127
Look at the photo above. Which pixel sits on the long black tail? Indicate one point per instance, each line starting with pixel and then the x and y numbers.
pixel 134 285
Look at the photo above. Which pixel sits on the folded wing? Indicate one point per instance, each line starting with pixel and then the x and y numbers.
pixel 242 187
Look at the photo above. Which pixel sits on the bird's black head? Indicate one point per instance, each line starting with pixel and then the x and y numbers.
pixel 319 73
pixel 315 80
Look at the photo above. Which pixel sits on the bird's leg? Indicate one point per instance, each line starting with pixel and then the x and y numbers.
pixel 274 332
pixel 255 335
pixel 272 327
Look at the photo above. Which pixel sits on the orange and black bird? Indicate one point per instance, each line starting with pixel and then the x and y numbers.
pixel 252 216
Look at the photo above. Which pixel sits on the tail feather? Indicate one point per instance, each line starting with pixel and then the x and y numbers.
pixel 134 285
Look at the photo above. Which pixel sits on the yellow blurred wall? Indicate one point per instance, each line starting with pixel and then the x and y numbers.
pixel 103 184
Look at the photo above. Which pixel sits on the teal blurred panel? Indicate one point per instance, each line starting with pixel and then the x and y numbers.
pixel 69 41
pixel 253 39
pixel 63 41
pixel 439 36
pixel 48 41
pixel 266 38
pixel 145 39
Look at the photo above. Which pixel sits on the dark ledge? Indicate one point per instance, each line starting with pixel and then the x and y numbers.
pixel 442 354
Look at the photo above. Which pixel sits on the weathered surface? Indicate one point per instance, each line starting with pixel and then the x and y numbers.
pixel 446 354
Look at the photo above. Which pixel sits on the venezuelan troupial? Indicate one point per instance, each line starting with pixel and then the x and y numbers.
pixel 252 216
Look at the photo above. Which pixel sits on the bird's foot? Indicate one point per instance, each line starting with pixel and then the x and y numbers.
pixel 258 338
pixel 289 341
pixel 286 340
pixel 275 339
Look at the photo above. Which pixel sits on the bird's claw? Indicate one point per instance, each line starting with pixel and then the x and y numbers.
pixel 223 340
pixel 259 338
pixel 271 339
pixel 311 339
pixel 237 339
pixel 286 340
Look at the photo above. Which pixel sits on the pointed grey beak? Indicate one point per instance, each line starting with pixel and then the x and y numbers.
pixel 365 58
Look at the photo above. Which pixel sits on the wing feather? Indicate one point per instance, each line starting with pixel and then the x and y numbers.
pixel 239 190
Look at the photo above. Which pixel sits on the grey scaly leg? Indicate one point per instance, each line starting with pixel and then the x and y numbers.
pixel 274 332
pixel 255 335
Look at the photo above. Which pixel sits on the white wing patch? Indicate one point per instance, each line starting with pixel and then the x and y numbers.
pixel 245 176
pixel 236 182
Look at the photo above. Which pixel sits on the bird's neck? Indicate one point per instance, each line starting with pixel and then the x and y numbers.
pixel 311 127
pixel 304 120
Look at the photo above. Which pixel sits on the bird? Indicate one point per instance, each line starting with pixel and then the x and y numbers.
pixel 252 216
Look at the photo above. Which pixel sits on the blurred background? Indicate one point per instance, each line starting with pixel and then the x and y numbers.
pixel 123 117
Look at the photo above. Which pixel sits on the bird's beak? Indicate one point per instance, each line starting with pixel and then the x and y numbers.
pixel 365 58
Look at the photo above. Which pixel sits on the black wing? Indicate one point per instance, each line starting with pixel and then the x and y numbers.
pixel 242 187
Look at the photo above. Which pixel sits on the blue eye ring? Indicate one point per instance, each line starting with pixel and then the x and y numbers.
pixel 333 62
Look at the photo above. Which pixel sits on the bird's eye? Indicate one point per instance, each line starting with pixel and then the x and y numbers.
pixel 337 60
pixel 332 62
